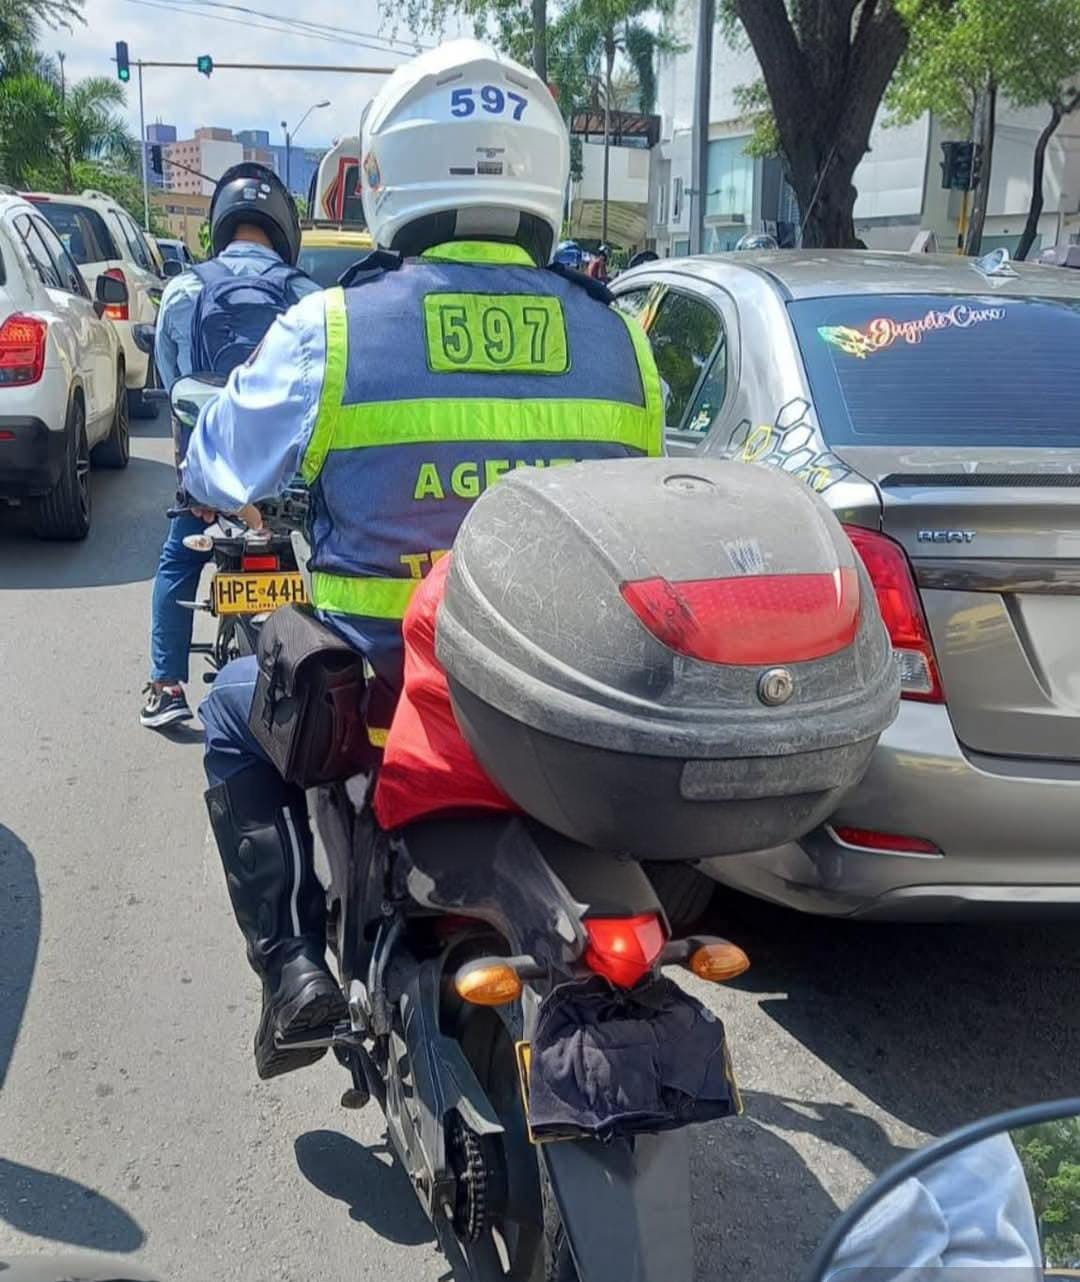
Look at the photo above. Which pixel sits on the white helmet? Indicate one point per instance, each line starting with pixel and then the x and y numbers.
pixel 463 142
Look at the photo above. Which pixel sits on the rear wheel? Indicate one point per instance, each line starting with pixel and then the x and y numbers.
pixel 115 450
pixel 684 893
pixel 64 513
pixel 138 406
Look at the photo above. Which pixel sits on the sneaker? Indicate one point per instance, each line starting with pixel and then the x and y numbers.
pixel 164 707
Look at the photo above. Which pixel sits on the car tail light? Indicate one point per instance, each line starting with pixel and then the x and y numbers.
pixel 259 562
pixel 892 843
pixel 898 598
pixel 754 619
pixel 117 311
pixel 22 350
pixel 624 949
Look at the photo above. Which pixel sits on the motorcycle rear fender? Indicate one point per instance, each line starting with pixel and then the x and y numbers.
pixel 625 1206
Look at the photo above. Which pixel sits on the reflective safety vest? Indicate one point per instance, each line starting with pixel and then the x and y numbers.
pixel 441 377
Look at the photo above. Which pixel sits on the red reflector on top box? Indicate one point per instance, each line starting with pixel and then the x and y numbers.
pixel 753 619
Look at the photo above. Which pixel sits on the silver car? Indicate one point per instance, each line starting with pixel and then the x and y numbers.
pixel 936 407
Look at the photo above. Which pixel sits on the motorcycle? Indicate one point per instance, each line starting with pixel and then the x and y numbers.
pixel 255 570
pixel 507 974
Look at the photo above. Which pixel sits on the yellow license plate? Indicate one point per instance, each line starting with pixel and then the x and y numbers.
pixel 257 593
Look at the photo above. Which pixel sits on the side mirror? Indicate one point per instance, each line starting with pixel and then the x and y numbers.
pixel 109 292
pixel 1002 1194
pixel 143 337
pixel 173 267
pixel 189 395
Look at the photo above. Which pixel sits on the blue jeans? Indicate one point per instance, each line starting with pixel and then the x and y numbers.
pixel 177 579
pixel 230 745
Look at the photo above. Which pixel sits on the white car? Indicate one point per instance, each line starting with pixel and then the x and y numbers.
pixel 104 240
pixel 62 376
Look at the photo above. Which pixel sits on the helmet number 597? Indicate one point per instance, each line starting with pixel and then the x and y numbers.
pixel 493 100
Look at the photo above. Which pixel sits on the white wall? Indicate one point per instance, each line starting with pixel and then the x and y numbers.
pixel 217 156
pixel 628 173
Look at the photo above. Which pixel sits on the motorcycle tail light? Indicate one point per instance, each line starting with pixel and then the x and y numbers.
pixel 624 949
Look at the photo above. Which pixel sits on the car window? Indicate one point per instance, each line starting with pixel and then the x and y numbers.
pixel 634 300
pixel 70 276
pixel 83 231
pixel 711 394
pixel 325 263
pixel 48 272
pixel 139 250
pixel 941 370
pixel 683 334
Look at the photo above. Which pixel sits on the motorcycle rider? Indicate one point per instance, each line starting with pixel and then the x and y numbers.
pixel 398 399
pixel 255 232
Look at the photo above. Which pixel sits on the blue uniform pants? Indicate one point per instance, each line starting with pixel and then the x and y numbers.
pixel 230 745
pixel 177 579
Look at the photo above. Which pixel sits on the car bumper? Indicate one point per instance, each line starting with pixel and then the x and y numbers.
pixel 31 456
pixel 1007 828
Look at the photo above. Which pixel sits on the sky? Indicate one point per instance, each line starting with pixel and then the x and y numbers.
pixel 180 30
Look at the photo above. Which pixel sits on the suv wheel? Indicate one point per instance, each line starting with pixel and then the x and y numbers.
pixel 115 449
pixel 64 513
pixel 138 406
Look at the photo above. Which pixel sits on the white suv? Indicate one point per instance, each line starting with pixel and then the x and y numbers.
pixel 62 376
pixel 104 240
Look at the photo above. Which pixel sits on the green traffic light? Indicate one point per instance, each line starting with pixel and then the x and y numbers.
pixel 124 73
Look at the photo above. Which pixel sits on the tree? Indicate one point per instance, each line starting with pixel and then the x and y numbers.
pixel 1050 1155
pixel 960 62
pixel 521 25
pixel 44 134
pixel 591 35
pixel 826 65
pixel 21 22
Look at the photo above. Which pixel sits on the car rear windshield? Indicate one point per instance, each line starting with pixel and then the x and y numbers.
pixel 83 231
pixel 169 251
pixel 932 369
pixel 325 263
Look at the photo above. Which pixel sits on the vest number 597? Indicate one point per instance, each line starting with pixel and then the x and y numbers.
pixel 492 333
pixel 493 100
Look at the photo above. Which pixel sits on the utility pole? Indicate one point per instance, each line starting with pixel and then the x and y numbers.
pixel 699 160
pixel 288 154
pixel 60 56
pixel 142 150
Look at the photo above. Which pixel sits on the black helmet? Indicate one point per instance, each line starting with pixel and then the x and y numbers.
pixel 643 256
pixel 252 193
pixel 604 251
pixel 758 240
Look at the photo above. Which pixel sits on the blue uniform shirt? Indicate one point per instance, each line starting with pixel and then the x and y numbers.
pixel 172 343
pixel 239 453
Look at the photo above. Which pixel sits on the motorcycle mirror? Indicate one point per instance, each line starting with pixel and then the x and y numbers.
pixel 1002 1193
pixel 70 1268
pixel 189 395
pixel 143 337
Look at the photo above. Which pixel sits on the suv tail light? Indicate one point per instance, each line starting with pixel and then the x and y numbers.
pixel 22 350
pixel 890 572
pixel 118 312
pixel 754 619
pixel 624 949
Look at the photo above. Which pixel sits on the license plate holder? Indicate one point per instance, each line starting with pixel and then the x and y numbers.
pixel 257 593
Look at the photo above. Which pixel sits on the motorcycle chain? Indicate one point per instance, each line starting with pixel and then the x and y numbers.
pixel 470 1170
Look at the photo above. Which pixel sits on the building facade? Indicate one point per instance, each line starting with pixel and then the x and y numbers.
pixel 212 150
pixel 898 181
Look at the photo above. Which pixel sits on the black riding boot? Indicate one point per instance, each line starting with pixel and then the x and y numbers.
pixel 262 832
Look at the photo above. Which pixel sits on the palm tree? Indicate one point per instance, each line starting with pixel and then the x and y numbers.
pixel 21 22
pixel 597 32
pixel 91 129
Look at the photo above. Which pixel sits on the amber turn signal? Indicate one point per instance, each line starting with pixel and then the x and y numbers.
pixel 717 963
pixel 488 983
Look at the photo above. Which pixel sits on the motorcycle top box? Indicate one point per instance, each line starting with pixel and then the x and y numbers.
pixel 671 658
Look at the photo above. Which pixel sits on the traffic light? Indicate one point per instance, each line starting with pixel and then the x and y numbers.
pixel 123 66
pixel 961 166
pixel 155 159
pixel 204 65
pixel 976 164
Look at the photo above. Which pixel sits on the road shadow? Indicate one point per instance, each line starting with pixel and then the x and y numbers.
pixel 937 1024
pixel 376 1193
pixel 759 1211
pixel 128 528
pixel 40 1203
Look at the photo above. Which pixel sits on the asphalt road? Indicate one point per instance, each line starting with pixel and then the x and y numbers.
pixel 131 1119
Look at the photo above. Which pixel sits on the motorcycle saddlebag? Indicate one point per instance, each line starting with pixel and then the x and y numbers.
pixel 672 658
pixel 308 709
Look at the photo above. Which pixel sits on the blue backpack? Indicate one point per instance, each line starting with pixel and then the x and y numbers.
pixel 232 313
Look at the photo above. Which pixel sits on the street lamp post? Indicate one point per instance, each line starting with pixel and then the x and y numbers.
pixel 290 135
